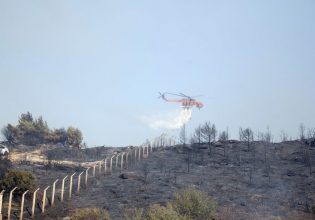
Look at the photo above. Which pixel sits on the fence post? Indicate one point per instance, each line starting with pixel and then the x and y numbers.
pixel 79 181
pixel 139 153
pixel 105 166
pixel 70 185
pixel 147 151
pixel 22 205
pixel 44 199
pixel 10 203
pixel 111 165
pixel 143 151
pixel 34 201
pixel 86 175
pixel 53 192
pixel 116 165
pixel 1 198
pixel 63 187
pixel 127 159
pixel 135 155
pixel 94 167
pixel 99 168
pixel 121 161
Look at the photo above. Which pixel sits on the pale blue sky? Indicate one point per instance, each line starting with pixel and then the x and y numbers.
pixel 98 65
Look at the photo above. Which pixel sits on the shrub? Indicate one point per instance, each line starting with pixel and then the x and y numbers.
pixel 90 214
pixel 189 204
pixel 135 214
pixel 157 212
pixel 313 209
pixel 23 180
pixel 193 204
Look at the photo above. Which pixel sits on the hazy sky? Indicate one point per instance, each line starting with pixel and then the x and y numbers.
pixel 99 65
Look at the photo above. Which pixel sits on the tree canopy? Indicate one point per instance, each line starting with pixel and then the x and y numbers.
pixel 32 131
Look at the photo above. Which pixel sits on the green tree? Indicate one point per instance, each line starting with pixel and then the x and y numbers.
pixel 10 133
pixel 26 129
pixel 74 137
pixel 26 117
pixel 41 130
pixel 32 131
pixel 58 136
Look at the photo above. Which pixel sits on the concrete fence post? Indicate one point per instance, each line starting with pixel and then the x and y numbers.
pixel 135 155
pixel 53 192
pixel 143 151
pixel 44 199
pixel 10 202
pixel 147 151
pixel 111 165
pixel 94 167
pixel 116 165
pixel 34 201
pixel 1 199
pixel 86 176
pixel 22 205
pixel 70 185
pixel 139 153
pixel 121 161
pixel 63 187
pixel 99 168
pixel 79 182
pixel 105 166
pixel 127 159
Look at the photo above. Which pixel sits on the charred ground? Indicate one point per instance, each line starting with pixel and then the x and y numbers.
pixel 266 181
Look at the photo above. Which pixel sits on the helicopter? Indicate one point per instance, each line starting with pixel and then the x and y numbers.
pixel 186 101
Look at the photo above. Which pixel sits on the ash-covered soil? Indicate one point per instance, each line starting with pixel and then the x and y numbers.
pixel 267 181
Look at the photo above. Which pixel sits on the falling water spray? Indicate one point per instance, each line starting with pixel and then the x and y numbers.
pixel 172 120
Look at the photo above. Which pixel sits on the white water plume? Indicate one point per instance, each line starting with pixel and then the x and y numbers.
pixel 171 120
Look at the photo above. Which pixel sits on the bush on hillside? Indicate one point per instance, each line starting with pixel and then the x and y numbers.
pixel 194 204
pixel 189 204
pixel 158 212
pixel 23 180
pixel 90 214
pixel 134 214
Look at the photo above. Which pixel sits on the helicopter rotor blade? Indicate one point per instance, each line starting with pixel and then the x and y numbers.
pixel 173 94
